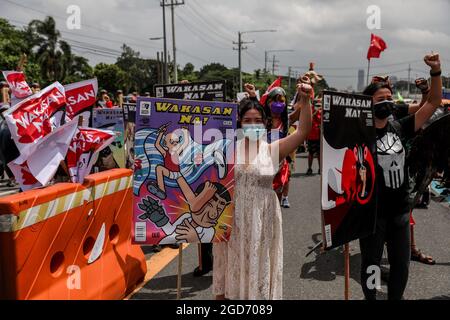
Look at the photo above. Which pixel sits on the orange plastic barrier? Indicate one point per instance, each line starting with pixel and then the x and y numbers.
pixel 70 241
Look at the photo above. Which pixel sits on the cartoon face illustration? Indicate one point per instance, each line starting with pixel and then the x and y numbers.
pixel 172 142
pixel 210 213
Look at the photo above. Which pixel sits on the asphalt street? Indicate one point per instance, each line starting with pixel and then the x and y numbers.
pixel 321 275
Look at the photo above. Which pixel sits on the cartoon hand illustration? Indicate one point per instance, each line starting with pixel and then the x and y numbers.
pixel 210 189
pixel 154 212
pixel 186 232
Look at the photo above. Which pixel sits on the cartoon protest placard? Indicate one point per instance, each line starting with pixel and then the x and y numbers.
pixel 184 171
pixel 348 168
pixel 129 116
pixel 205 91
pixel 112 156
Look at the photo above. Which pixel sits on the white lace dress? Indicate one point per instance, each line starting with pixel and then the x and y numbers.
pixel 250 265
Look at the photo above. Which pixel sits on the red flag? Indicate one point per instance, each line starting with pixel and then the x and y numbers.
pixel 84 149
pixel 31 119
pixel 18 84
pixel 276 83
pixel 80 96
pixel 377 45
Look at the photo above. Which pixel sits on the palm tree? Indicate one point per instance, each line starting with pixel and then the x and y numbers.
pixel 53 54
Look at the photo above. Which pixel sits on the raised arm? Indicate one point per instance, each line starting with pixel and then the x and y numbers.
pixel 422 85
pixel 158 145
pixel 290 143
pixel 435 96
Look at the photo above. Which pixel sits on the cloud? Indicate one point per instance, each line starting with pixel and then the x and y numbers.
pixel 332 33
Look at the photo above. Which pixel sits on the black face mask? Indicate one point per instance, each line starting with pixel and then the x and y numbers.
pixel 383 109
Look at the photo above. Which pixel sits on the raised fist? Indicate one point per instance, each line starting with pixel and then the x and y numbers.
pixel 433 61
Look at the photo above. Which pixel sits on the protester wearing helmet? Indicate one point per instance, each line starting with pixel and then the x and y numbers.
pixel 392 225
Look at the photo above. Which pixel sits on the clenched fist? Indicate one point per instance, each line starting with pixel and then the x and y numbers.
pixel 433 61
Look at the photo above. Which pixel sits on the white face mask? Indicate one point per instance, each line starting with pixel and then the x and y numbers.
pixel 254 131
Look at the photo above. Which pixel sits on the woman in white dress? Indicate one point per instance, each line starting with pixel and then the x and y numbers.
pixel 250 265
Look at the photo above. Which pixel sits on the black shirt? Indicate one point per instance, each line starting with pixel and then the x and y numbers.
pixel 392 170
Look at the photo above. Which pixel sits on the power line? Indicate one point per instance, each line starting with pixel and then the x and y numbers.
pixel 216 22
pixel 208 24
pixel 65 18
pixel 198 35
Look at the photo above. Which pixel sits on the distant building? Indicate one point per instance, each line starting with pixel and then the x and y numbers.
pixel 361 84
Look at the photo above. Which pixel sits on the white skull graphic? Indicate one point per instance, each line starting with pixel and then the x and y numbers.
pixel 391 157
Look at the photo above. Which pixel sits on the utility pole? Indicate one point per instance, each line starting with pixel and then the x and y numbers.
pixel 172 4
pixel 165 72
pixel 240 48
pixel 289 77
pixel 158 68
pixel 409 80
pixel 274 61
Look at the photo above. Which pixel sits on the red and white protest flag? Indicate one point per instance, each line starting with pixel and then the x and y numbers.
pixel 23 176
pixel 41 166
pixel 84 149
pixel 31 119
pixel 45 160
pixel 19 86
pixel 80 96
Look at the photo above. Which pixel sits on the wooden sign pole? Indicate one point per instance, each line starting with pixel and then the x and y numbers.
pixel 347 270
pixel 180 270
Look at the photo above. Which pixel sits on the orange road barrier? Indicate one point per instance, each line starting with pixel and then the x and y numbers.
pixel 70 241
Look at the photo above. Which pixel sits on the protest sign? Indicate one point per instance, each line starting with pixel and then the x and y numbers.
pixel 19 86
pixel 205 91
pixel 184 171
pixel 111 119
pixel 81 98
pixel 348 168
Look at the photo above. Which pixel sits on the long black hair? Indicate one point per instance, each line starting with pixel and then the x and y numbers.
pixel 247 104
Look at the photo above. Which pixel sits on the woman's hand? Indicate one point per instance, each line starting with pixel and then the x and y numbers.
pixel 433 61
pixel 304 90
pixel 250 89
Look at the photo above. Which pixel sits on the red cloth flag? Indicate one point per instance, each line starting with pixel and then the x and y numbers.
pixel 80 96
pixel 276 83
pixel 31 119
pixel 377 45
pixel 84 149
pixel 18 84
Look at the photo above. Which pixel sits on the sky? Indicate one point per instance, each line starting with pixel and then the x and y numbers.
pixel 331 33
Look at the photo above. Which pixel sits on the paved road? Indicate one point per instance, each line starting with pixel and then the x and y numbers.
pixel 320 276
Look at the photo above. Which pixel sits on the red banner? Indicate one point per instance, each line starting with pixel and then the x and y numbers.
pixel 30 120
pixel 18 84
pixel 80 96
pixel 84 149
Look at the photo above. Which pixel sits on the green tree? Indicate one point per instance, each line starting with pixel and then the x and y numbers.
pixel 139 74
pixel 13 44
pixel 110 77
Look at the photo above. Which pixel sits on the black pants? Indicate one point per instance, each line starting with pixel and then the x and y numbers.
pixel 395 232
pixel 207 256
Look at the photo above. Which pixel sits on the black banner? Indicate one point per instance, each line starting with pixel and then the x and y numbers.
pixel 129 112
pixel 204 91
pixel 348 167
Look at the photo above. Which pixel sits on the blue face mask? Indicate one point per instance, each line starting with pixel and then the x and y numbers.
pixel 254 131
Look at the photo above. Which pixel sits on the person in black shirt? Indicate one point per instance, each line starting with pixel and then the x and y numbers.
pixel 393 207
